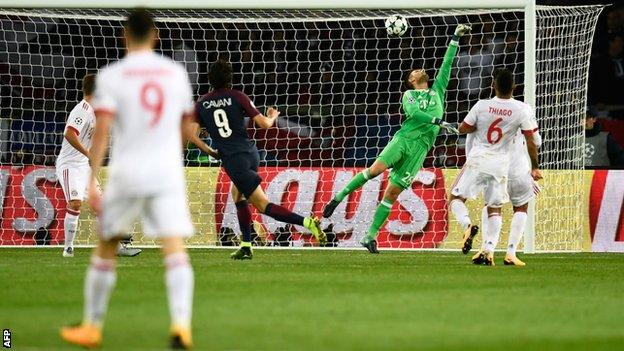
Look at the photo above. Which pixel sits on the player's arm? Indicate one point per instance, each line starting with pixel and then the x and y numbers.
pixel 71 135
pixel 99 146
pixel 529 128
pixel 532 149
pixel 413 112
pixel 190 131
pixel 444 73
pixel 469 123
pixel 266 122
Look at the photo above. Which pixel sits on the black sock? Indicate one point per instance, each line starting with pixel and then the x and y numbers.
pixel 282 214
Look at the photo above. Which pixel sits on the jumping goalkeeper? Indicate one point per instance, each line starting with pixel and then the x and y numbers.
pixel 405 154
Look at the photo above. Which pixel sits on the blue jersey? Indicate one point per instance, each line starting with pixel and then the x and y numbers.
pixel 222 112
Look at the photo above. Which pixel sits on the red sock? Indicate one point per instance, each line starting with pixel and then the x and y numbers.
pixel 244 219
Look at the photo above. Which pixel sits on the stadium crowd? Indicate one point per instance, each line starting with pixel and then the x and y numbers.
pixel 338 90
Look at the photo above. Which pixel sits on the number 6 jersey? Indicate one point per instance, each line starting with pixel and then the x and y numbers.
pixel 497 122
pixel 148 94
pixel 222 112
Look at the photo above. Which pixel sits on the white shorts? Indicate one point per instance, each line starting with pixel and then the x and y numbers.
pixel 521 190
pixel 162 215
pixel 470 183
pixel 74 181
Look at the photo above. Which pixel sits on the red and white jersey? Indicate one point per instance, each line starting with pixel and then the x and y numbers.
pixel 82 120
pixel 148 94
pixel 497 121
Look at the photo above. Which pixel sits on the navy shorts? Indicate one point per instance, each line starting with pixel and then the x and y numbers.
pixel 242 168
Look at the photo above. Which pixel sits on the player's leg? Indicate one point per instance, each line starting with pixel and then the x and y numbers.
pixel 243 213
pixel 377 168
pixel 401 177
pixel 465 186
pixel 70 226
pixel 180 281
pixel 381 215
pixel 521 191
pixel 117 217
pixel 166 217
pixel 495 195
pixel 99 283
pixel 73 182
pixel 260 201
pixel 518 223
pixel 388 158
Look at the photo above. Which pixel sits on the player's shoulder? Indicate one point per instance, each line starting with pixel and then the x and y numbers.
pixel 521 105
pixel 82 107
pixel 481 103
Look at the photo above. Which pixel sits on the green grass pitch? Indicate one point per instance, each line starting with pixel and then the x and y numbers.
pixel 329 300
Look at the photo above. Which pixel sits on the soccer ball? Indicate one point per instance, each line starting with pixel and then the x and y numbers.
pixel 396 25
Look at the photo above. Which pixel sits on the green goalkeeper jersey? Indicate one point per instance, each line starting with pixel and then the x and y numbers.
pixel 423 106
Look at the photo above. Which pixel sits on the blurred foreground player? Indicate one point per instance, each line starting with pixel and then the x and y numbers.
pixel 405 154
pixel 495 123
pixel 222 112
pixel 143 97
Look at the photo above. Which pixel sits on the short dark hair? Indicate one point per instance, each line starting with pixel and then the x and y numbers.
pixel 220 74
pixel 504 80
pixel 88 84
pixel 139 24
pixel 406 82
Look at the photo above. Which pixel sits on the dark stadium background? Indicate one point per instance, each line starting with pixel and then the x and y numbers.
pixel 347 86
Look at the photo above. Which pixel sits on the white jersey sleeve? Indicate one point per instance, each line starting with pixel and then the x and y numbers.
pixel 471 117
pixel 189 107
pixel 104 97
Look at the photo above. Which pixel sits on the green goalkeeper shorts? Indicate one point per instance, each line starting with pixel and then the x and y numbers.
pixel 405 157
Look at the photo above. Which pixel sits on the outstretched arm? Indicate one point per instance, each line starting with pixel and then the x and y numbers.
pixel 444 73
pixel 266 122
pixel 189 133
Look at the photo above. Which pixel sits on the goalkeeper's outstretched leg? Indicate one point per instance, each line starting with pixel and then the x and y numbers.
pixel 377 168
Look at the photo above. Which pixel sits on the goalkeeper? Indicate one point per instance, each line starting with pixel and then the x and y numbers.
pixel 405 154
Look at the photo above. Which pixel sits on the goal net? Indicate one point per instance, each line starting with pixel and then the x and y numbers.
pixel 336 76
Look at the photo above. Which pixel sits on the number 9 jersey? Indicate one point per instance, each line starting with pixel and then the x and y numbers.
pixel 148 94
pixel 222 112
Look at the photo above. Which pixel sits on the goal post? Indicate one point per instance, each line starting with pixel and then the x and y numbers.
pixel 309 58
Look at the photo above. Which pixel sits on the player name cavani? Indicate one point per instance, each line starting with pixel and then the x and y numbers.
pixel 217 103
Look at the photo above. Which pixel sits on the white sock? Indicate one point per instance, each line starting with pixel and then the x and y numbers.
pixel 71 226
pixel 101 277
pixel 518 222
pixel 495 222
pixel 180 281
pixel 460 211
pixel 484 226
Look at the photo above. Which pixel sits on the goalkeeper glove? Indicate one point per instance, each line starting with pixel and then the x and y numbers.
pixel 445 125
pixel 462 29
